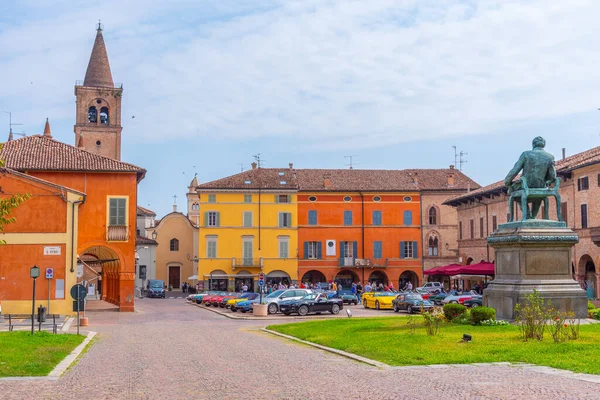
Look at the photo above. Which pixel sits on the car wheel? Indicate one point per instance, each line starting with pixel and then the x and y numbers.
pixel 234 310
pixel 243 311
pixel 335 309
pixel 355 302
pixel 474 305
pixel 396 308
pixel 303 310
pixel 365 304
pixel 410 310
pixel 273 308
pixel 453 302
pixel 377 305
pixel 286 313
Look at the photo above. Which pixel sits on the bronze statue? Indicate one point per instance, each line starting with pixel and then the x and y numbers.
pixel 538 173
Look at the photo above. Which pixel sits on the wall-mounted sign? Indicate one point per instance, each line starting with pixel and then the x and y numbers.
pixel 52 250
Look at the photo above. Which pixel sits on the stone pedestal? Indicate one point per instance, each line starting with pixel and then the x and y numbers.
pixel 534 255
pixel 260 310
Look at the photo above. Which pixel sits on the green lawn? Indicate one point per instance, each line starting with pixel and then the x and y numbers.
pixel 390 341
pixel 24 355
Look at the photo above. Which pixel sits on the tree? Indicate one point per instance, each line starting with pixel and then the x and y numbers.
pixel 8 204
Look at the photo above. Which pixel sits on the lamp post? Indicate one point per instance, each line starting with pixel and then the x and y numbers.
pixel 34 272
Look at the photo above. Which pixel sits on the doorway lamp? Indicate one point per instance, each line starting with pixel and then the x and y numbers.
pixel 34 273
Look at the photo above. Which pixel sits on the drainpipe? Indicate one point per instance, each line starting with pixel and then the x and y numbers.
pixel 258 220
pixel 487 231
pixel 73 232
pixel 362 200
pixel 422 239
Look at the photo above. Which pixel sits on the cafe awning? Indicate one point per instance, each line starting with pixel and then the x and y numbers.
pixel 481 269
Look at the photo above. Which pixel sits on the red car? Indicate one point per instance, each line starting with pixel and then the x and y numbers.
pixel 218 300
pixel 207 300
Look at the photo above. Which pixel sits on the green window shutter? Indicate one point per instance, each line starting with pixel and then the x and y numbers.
pixel 289 220
pixel 218 219
pixel 306 250
pixel 205 218
pixel 354 249
pixel 112 212
pixel 415 249
pixel 319 250
pixel 276 198
pixel 280 220
pixel 402 250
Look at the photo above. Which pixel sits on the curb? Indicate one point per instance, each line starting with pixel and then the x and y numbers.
pixel 253 318
pixel 60 368
pixel 536 368
pixel 331 350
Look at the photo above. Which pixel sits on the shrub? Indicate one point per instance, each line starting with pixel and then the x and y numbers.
pixel 531 317
pixel 595 313
pixel 591 305
pixel 479 314
pixel 432 320
pixel 463 319
pixel 452 311
pixel 494 322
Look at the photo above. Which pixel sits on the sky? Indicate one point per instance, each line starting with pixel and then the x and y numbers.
pixel 395 84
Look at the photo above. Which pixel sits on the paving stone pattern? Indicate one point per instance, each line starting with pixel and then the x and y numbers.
pixel 171 350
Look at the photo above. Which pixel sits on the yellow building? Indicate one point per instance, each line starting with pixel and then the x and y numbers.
pixel 248 225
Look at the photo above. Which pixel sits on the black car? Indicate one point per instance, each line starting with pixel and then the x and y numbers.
pixel 313 303
pixel 411 302
pixel 475 301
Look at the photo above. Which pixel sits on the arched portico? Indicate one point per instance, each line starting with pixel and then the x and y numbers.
pixel 408 276
pixel 589 273
pixel 378 277
pixel 346 277
pixel 313 276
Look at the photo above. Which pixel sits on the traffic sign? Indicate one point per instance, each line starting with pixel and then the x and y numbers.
pixel 261 276
pixel 261 282
pixel 49 273
pixel 78 305
pixel 78 292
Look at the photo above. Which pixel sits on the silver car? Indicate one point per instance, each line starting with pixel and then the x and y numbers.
pixel 273 299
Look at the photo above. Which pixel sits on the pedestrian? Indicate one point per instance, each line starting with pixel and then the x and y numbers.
pixel 353 288
pixel 359 290
pixel 244 288
pixel 409 286
pixel 334 287
pixel 368 287
pixel 391 287
pixel 318 285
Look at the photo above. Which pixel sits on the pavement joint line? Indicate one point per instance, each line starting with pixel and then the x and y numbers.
pixel 68 360
pixel 331 350
pixel 536 368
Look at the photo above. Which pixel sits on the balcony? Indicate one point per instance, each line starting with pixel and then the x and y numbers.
pixel 246 262
pixel 117 233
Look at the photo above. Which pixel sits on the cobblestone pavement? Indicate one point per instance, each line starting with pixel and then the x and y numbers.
pixel 177 351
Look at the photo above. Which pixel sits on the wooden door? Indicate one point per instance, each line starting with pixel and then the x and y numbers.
pixel 174 277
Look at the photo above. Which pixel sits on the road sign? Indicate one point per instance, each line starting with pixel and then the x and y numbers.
pixel 261 282
pixel 78 292
pixel 261 277
pixel 78 305
pixel 49 273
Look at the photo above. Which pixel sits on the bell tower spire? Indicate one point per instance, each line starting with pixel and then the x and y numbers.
pixel 98 117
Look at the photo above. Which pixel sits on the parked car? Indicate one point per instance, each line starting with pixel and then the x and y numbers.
pixel 439 297
pixel 475 301
pixel 432 287
pixel 245 305
pixel 346 296
pixel 378 300
pixel 156 288
pixel 311 303
pixel 272 300
pixel 456 298
pixel 244 296
pixel 207 300
pixel 216 300
pixel 411 302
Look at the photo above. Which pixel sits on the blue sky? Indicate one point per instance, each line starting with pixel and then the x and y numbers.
pixel 396 83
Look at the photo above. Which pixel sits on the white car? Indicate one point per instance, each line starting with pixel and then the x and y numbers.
pixel 455 299
pixel 272 300
pixel 431 287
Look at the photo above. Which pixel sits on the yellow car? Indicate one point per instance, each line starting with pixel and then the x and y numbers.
pixel 378 300
pixel 244 297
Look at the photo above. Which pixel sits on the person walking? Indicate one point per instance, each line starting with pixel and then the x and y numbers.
pixel 359 290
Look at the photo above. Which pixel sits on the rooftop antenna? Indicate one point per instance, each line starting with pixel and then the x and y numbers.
pixel 350 165
pixel 259 161
pixel 455 157
pixel 460 159
pixel 174 199
pixel 241 167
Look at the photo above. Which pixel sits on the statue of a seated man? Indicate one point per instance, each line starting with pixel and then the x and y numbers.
pixel 538 169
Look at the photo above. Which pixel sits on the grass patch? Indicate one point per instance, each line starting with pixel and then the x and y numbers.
pixel 389 340
pixel 24 355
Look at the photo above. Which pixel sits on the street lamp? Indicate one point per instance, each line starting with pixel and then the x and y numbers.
pixel 154 235
pixel 34 272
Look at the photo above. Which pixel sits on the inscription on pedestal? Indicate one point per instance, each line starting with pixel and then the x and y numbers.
pixel 547 262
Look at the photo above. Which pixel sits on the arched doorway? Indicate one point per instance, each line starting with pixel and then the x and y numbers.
pixel 100 271
pixel 244 278
pixel 408 276
pixel 378 277
pixel 588 270
pixel 217 280
pixel 469 260
pixel 278 277
pixel 346 277
pixel 314 276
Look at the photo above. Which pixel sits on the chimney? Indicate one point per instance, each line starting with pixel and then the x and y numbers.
pixel 451 166
pixel 253 165
pixel 564 153
pixel 326 181
pixel 174 207
pixel 291 166
pixel 450 179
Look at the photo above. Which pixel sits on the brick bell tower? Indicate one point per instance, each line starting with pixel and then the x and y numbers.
pixel 98 120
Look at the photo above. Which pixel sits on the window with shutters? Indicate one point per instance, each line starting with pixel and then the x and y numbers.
pixel 312 250
pixel 248 251
pixel 376 217
pixel 284 247
pixel 211 218
pixel 212 198
pixel 408 250
pixel 583 183
pixel 408 218
pixel 247 198
pixel 472 228
pixel 433 246
pixel 117 211
pixel 564 211
pixel 285 220
pixel 312 217
pixel 282 198
pixel 432 216
pixel 584 216
pixel 494 223
pixel 174 245
pixel 481 231
pixel 211 247
pixel 377 250
pixel 347 218
pixel 247 219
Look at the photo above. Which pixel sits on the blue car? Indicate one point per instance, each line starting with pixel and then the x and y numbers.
pixel 246 305
pixel 156 288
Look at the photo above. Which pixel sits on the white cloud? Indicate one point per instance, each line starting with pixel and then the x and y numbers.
pixel 348 73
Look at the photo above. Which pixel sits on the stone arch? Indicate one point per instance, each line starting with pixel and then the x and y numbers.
pixel 469 260
pixel 588 273
pixel 277 277
pixel 313 276
pixel 408 276
pixel 378 277
pixel 433 211
pixel 433 241
pixel 346 277
pixel 104 116
pixel 92 114
pixel 103 265
pixel 244 277
pixel 217 280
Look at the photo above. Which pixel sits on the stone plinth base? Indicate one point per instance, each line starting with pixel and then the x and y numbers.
pixel 259 310
pixel 534 255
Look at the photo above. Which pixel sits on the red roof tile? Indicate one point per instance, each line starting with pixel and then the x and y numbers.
pixel 144 211
pixel 39 153
pixel 263 178
pixel 141 240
